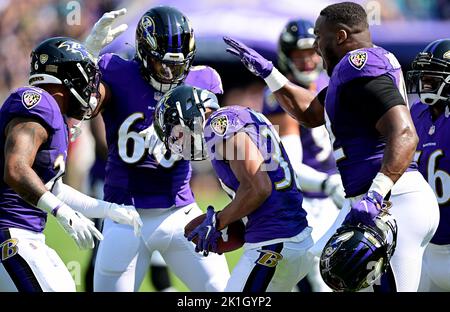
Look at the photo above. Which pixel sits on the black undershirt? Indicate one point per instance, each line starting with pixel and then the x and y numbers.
pixel 367 97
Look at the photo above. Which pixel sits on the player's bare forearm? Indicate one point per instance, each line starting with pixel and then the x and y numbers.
pixel 301 104
pixel 396 125
pixel 249 197
pixel 23 139
pixel 254 183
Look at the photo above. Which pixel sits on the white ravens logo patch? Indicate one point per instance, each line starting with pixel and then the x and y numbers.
pixel 358 59
pixel 30 98
pixel 220 124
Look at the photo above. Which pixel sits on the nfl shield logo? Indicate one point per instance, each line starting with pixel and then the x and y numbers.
pixel 358 59
pixel 220 124
pixel 30 98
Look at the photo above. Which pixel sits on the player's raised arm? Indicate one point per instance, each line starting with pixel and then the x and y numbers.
pixel 254 183
pixel 299 102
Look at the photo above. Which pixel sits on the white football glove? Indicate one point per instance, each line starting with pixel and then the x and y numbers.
pixel 80 228
pixel 125 215
pixel 332 187
pixel 103 34
pixel 152 141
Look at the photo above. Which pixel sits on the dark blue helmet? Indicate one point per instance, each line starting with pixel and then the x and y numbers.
pixel 65 61
pixel 298 34
pixel 165 47
pixel 356 256
pixel 430 74
pixel 179 117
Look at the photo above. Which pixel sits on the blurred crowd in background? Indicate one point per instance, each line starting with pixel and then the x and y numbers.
pixel 24 23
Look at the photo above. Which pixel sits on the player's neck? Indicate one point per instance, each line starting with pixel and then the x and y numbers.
pixel 57 92
pixel 437 109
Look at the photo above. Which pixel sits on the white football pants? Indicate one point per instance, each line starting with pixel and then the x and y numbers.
pixel 123 259
pixel 415 208
pixel 271 266
pixel 29 265
pixel 321 214
pixel 436 269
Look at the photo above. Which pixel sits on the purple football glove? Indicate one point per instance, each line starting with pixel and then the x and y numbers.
pixel 254 62
pixel 365 210
pixel 207 233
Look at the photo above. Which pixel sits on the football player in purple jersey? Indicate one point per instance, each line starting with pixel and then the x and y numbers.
pixel 430 79
pixel 64 82
pixel 253 168
pixel 139 171
pixel 311 157
pixel 366 113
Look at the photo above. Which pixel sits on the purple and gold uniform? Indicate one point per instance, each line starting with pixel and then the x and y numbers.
pixel 156 184
pixel 281 215
pixel 277 234
pixel 33 103
pixel 132 176
pixel 433 159
pixel 358 147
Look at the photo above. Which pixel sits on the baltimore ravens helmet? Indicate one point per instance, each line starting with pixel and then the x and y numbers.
pixel 298 34
pixel 165 47
pixel 356 256
pixel 430 74
pixel 179 119
pixel 65 61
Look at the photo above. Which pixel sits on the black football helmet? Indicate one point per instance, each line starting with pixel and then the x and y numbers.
pixel 298 34
pixel 179 119
pixel 165 47
pixel 356 256
pixel 430 74
pixel 65 61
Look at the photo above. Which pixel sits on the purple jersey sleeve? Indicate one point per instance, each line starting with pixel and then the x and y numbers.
pixel 34 103
pixel 223 124
pixel 205 77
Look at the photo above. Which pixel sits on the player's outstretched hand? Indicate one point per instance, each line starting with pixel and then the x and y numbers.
pixel 80 228
pixel 365 210
pixel 254 62
pixel 208 235
pixel 103 34
pixel 125 214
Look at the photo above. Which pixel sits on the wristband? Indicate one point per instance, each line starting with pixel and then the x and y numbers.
pixel 276 80
pixel 382 184
pixel 49 203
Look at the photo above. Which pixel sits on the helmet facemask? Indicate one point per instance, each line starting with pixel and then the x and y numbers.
pixel 430 79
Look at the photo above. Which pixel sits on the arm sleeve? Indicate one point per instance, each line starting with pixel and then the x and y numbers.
pixel 372 96
pixel 88 206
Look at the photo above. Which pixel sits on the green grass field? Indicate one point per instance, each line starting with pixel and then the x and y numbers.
pixel 77 261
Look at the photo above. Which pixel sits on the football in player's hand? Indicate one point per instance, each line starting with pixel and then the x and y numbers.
pixel 232 236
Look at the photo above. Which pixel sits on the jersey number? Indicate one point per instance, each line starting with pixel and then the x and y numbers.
pixel 131 140
pixel 438 178
pixel 277 154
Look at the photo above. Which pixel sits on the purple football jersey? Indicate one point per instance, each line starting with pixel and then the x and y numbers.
pixel 281 215
pixel 35 103
pixel 433 159
pixel 133 176
pixel 317 151
pixel 358 149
